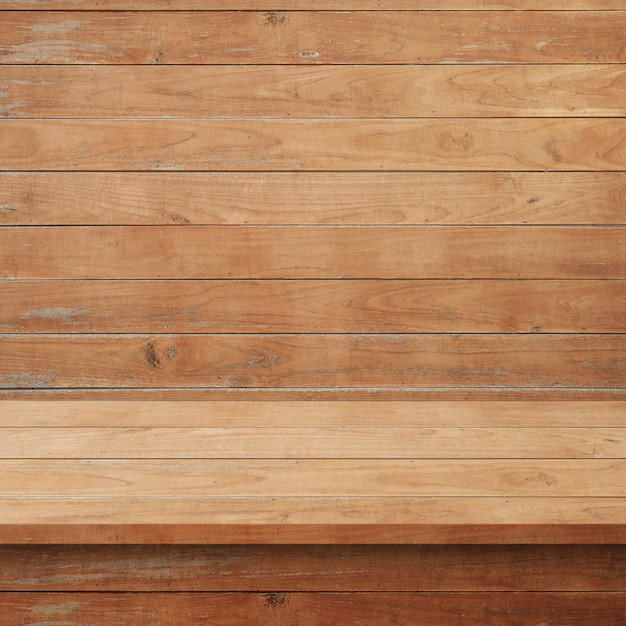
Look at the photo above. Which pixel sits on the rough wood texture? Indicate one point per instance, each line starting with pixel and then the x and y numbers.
pixel 311 37
pixel 313 568
pixel 327 360
pixel 319 5
pixel 312 609
pixel 317 145
pixel 314 306
pixel 314 92
pixel 418 201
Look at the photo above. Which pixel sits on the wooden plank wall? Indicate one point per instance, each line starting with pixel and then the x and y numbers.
pixel 313 200
pixel 396 200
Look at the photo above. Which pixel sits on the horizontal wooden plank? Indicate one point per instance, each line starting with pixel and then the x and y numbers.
pixel 277 37
pixel 34 198
pixel 377 478
pixel 224 252
pixel 311 306
pixel 313 568
pixel 316 394
pixel 311 609
pixel 314 361
pixel 311 92
pixel 316 5
pixel 380 442
pixel 498 144
pixel 284 414
pixel 316 520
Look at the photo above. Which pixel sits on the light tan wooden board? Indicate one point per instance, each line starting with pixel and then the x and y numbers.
pixel 34 198
pixel 312 609
pixel 313 568
pixel 359 414
pixel 312 37
pixel 312 520
pixel 316 5
pixel 311 306
pixel 312 361
pixel 310 92
pixel 383 442
pixel 594 478
pixel 226 252
pixel 317 145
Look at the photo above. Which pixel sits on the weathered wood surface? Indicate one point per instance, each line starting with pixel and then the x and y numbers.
pixel 313 92
pixel 151 568
pixel 149 198
pixel 318 394
pixel 314 306
pixel 493 144
pixel 244 252
pixel 312 37
pixel 317 5
pixel 312 609
pixel 325 360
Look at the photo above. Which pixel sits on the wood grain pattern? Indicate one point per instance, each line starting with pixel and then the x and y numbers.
pixel 313 520
pixel 98 198
pixel 492 144
pixel 311 609
pixel 317 394
pixel 314 306
pixel 312 37
pixel 223 252
pixel 382 478
pixel 318 361
pixel 319 5
pixel 359 414
pixel 313 568
pixel 313 92
pixel 312 443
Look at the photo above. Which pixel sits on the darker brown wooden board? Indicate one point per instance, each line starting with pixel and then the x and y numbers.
pixel 312 37
pixel 318 361
pixel 225 252
pixel 433 144
pixel 73 198
pixel 314 306
pixel 313 568
pixel 310 609
pixel 313 92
